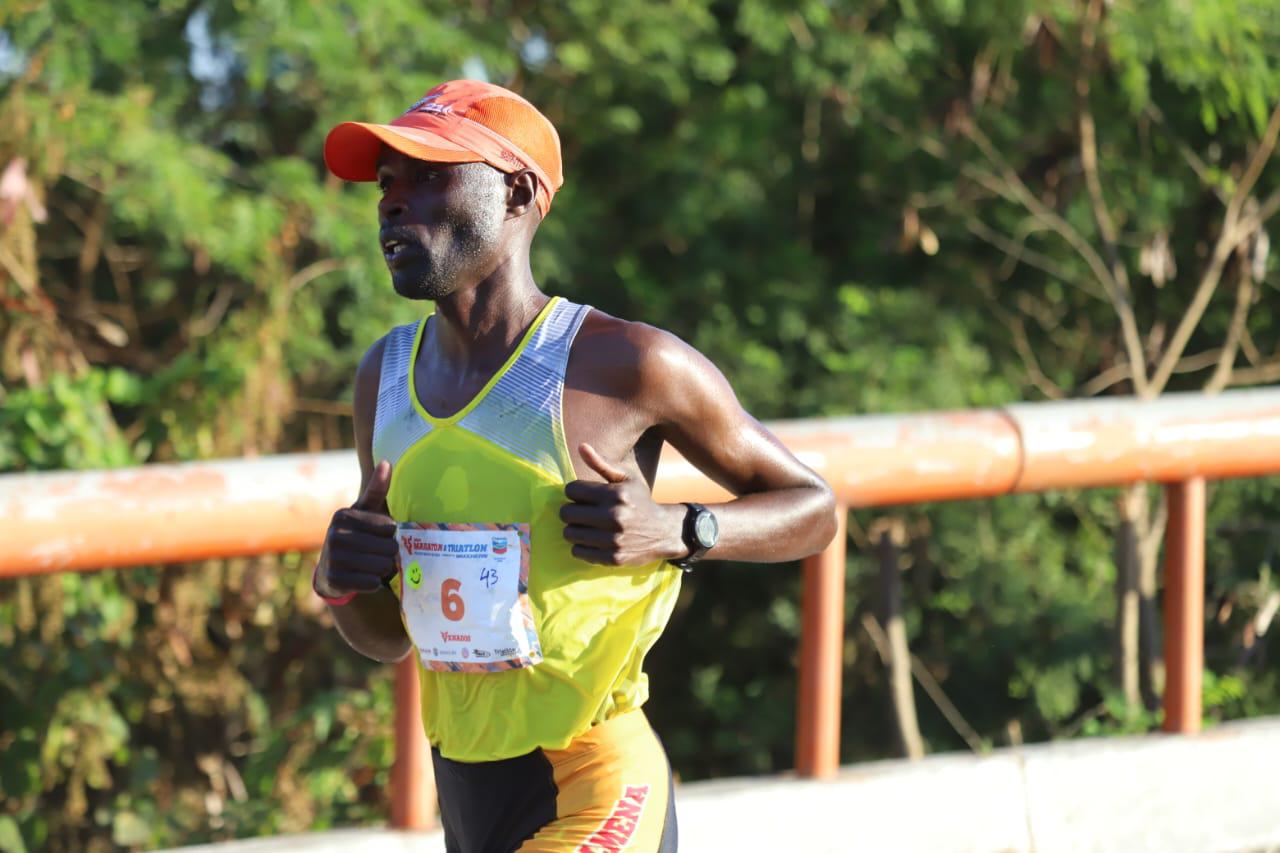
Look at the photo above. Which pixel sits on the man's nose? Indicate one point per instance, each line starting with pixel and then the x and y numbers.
pixel 391 207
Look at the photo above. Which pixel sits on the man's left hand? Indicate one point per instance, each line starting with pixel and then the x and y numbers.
pixel 617 522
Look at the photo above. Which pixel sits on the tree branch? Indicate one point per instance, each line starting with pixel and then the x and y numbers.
pixel 313 271
pixel 1193 159
pixel 1150 541
pixel 1101 215
pixel 1012 187
pixel 1019 253
pixel 1267 209
pixel 1113 375
pixel 1089 148
pixel 1260 375
pixel 1235 229
pixel 24 278
pixel 1120 372
pixel 1239 315
pixel 1249 348
pixel 1037 376
pixel 929 684
pixel 1232 235
pixel 1256 163
pixel 205 324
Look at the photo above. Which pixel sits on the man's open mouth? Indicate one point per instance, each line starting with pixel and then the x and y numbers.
pixel 396 243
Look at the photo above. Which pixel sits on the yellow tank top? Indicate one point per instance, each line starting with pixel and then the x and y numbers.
pixel 502 458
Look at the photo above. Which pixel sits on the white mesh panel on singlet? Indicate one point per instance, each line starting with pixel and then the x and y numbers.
pixel 396 424
pixel 521 413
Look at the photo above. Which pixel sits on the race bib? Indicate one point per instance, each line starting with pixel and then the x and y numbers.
pixel 465 595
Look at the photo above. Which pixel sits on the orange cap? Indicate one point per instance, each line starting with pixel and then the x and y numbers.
pixel 462 121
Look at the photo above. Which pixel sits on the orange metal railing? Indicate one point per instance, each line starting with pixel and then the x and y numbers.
pixel 171 513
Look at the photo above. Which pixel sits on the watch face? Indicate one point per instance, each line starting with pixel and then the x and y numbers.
pixel 706 529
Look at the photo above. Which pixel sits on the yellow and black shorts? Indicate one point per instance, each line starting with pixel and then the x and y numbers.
pixel 608 790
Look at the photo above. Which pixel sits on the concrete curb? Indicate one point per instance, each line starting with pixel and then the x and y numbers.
pixel 1217 792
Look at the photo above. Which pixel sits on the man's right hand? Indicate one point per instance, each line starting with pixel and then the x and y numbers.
pixel 360 548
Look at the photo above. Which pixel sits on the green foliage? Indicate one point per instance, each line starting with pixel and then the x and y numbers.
pixel 63 424
pixel 159 707
pixel 801 190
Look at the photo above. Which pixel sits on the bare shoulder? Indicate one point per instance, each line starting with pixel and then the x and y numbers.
pixel 365 399
pixel 369 374
pixel 643 364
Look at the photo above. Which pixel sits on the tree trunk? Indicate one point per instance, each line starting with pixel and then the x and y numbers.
pixel 923 572
pixel 1127 655
pixel 901 691
pixel 1150 529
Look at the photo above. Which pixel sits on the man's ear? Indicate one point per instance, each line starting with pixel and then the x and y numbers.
pixel 522 191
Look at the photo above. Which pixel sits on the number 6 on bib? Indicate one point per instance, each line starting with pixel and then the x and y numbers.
pixel 469 610
pixel 453 605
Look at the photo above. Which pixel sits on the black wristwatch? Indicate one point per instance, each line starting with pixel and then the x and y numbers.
pixel 699 534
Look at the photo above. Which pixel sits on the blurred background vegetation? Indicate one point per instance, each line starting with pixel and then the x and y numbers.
pixel 882 206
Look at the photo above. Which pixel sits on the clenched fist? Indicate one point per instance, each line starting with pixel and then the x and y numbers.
pixel 360 548
pixel 617 522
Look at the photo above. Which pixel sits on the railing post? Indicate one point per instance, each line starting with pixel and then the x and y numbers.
pixel 1184 605
pixel 412 782
pixel 821 658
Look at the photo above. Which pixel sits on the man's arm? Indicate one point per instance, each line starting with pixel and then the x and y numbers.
pixel 360 547
pixel 783 511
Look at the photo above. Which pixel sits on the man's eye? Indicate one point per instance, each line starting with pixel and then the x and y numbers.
pixel 384 184
pixel 423 176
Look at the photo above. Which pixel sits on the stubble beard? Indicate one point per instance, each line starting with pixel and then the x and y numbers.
pixel 428 279
pixel 464 251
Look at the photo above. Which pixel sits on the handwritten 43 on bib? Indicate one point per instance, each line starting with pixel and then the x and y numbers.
pixel 464 595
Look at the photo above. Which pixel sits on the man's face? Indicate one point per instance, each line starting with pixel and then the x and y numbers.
pixel 441 223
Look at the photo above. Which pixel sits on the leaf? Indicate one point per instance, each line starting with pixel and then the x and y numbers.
pixel 129 830
pixel 10 837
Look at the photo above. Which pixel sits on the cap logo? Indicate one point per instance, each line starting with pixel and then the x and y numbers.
pixel 427 104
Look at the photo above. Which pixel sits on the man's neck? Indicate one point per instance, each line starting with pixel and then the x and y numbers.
pixel 482 324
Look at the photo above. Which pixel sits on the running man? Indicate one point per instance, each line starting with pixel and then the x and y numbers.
pixel 506 532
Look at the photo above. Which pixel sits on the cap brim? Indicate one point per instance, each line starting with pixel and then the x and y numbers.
pixel 351 149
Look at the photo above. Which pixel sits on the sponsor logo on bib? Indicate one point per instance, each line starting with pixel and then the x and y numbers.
pixel 447 637
pixel 415 544
pixel 499 545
